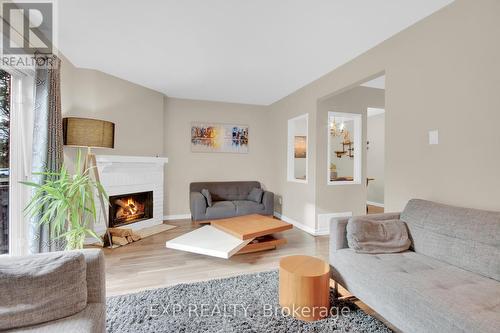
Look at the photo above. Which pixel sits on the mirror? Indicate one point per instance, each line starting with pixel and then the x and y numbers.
pixel 297 149
pixel 344 148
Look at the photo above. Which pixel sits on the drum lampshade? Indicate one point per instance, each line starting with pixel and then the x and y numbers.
pixel 85 132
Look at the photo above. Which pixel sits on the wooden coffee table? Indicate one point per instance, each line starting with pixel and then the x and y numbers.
pixel 237 235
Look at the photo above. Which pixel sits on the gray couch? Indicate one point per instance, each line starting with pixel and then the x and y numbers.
pixel 229 199
pixel 447 282
pixel 42 278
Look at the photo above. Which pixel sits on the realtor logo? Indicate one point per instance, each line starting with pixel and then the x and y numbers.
pixel 27 27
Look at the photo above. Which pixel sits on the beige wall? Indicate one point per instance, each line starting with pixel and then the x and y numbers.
pixel 343 198
pixel 440 74
pixel 295 201
pixel 150 124
pixel 136 111
pixel 185 166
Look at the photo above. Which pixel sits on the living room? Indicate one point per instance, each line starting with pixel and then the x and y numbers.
pixel 194 170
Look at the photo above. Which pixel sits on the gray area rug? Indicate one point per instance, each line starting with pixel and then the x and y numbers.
pixel 245 303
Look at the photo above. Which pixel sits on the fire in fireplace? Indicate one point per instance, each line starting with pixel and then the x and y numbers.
pixel 129 208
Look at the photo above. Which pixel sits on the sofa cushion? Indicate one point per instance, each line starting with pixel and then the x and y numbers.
pixel 417 293
pixel 226 191
pixel 377 236
pixel 207 196
pixel 221 209
pixel 467 238
pixel 245 207
pixel 255 195
pixel 91 320
pixel 40 288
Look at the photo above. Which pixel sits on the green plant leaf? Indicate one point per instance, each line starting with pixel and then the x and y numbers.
pixel 65 203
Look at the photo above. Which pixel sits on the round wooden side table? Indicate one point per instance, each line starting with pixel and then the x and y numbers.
pixel 304 287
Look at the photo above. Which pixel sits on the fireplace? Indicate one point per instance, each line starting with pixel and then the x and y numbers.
pixel 130 208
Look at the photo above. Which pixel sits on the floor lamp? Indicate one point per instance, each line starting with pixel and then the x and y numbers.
pixel 90 133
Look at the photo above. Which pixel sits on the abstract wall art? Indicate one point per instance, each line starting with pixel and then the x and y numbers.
pixel 219 138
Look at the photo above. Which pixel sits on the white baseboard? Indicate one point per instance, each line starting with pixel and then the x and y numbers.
pixel 323 223
pixel 176 217
pixel 376 204
pixel 296 224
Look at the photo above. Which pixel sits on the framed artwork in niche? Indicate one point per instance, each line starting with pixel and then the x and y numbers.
pixel 300 147
pixel 219 138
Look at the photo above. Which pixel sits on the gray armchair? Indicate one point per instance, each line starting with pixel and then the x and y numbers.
pixel 229 199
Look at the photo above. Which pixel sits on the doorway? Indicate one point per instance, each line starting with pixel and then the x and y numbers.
pixel 375 151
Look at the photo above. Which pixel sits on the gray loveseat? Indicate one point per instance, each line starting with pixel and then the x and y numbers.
pixel 447 282
pixel 229 199
pixel 59 291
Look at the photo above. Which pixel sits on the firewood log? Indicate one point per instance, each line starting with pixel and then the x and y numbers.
pixel 120 232
pixel 129 239
pixel 135 236
pixel 120 212
pixel 122 203
pixel 119 240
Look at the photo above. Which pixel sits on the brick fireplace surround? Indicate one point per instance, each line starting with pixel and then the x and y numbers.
pixel 130 174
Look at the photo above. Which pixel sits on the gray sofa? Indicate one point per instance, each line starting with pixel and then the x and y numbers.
pixel 229 199
pixel 447 282
pixel 42 285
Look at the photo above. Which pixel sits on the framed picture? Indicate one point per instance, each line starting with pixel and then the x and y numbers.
pixel 219 138
pixel 300 147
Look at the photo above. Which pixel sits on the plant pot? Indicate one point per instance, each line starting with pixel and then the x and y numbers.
pixel 74 241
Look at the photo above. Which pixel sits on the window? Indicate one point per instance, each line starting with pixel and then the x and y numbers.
pixel 16 131
pixel 5 102
pixel 344 148
pixel 297 149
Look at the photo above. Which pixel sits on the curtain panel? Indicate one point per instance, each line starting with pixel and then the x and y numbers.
pixel 47 154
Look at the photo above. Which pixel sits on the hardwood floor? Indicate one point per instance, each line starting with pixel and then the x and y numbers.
pixel 148 264
pixel 374 209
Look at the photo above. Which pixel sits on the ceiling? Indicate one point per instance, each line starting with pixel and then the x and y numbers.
pixel 378 82
pixel 253 51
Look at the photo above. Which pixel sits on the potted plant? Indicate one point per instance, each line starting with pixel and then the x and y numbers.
pixel 67 203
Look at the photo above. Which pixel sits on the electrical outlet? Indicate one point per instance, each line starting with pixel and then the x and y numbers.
pixel 433 137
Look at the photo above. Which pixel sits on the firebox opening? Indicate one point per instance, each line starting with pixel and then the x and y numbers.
pixel 129 208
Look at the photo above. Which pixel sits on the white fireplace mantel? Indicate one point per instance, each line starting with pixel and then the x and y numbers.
pixel 130 174
pixel 110 159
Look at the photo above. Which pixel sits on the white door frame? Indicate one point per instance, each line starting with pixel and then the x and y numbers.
pixel 358 152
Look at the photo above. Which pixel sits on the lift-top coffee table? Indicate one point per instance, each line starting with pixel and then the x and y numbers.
pixel 237 235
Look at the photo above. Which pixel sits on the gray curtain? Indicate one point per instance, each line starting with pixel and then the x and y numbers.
pixel 47 140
